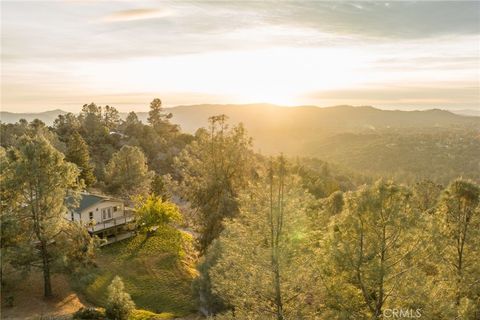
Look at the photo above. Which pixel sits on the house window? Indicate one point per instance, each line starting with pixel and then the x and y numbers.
pixel 109 213
pixel 73 218
pixel 115 209
pixel 104 214
pixel 90 215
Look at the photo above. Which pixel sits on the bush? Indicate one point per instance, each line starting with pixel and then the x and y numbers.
pixel 119 305
pixel 89 313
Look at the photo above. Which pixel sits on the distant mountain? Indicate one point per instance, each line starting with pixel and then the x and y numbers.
pixel 314 118
pixel 344 117
pixel 48 116
pixel 405 144
pixel 468 112
pixel 295 129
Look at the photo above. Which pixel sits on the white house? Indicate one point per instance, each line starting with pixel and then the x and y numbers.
pixel 105 217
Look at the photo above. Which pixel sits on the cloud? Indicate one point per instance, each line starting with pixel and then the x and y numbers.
pixel 374 19
pixel 136 14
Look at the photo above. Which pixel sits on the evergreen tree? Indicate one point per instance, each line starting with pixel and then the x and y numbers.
pixel 459 246
pixel 77 152
pixel 263 271
pixel 119 304
pixel 65 125
pixel 38 181
pixel 127 172
pixel 111 117
pixel 213 170
pixel 375 243
pixel 156 115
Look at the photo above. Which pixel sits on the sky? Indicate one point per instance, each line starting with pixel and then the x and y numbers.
pixel 392 55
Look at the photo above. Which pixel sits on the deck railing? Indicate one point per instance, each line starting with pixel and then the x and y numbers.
pixel 102 225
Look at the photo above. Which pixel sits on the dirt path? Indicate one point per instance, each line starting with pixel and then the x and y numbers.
pixel 30 304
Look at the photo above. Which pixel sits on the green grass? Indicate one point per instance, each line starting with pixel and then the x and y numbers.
pixel 147 315
pixel 157 272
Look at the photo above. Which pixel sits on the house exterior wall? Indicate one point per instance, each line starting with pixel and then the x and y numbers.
pixel 99 212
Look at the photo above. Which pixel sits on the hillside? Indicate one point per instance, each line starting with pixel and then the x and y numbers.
pixel 296 127
pixel 48 116
pixel 337 118
pixel 295 130
pixel 156 273
pixel 434 144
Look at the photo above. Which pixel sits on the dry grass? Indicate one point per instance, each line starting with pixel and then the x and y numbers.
pixel 28 297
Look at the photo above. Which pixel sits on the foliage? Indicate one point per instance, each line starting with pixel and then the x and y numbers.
pixel 152 212
pixel 88 314
pixel 209 303
pixel 77 152
pixel 434 154
pixel 36 182
pixel 11 134
pixel 371 247
pixel 268 276
pixel 159 187
pixel 97 135
pixel 321 178
pixel 119 304
pixel 425 195
pixel 458 244
pixel 127 172
pixel 157 271
pixel 156 116
pixel 213 170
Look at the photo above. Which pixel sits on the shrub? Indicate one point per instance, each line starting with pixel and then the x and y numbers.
pixel 89 313
pixel 119 304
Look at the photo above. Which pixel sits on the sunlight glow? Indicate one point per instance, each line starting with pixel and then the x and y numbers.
pixel 270 75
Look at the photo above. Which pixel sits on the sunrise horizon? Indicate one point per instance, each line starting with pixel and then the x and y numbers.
pixel 406 55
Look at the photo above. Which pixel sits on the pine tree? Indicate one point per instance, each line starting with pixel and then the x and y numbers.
pixel 127 172
pixel 263 270
pixel 159 120
pixel 458 214
pixel 38 181
pixel 214 169
pixel 77 152
pixel 375 243
pixel 119 304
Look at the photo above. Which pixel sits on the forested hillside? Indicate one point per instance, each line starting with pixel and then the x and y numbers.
pixel 224 231
pixel 432 144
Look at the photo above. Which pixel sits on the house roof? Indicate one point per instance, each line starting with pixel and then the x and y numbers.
pixel 87 200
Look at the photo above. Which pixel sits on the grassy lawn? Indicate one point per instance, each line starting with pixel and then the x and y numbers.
pixel 157 272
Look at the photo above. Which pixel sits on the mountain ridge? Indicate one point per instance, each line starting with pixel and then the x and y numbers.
pixel 338 118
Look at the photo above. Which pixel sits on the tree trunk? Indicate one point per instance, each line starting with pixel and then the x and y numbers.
pixel 47 284
pixel 278 294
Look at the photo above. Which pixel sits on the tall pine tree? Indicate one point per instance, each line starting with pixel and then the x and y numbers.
pixel 39 182
pixel 77 152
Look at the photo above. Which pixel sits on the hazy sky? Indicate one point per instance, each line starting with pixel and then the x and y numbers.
pixel 398 54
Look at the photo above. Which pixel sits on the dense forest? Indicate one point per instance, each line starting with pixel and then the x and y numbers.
pixel 366 225
pixel 406 146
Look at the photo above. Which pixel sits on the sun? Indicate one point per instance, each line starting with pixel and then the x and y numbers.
pixel 268 95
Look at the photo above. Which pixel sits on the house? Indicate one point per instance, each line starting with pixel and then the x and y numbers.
pixel 105 217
